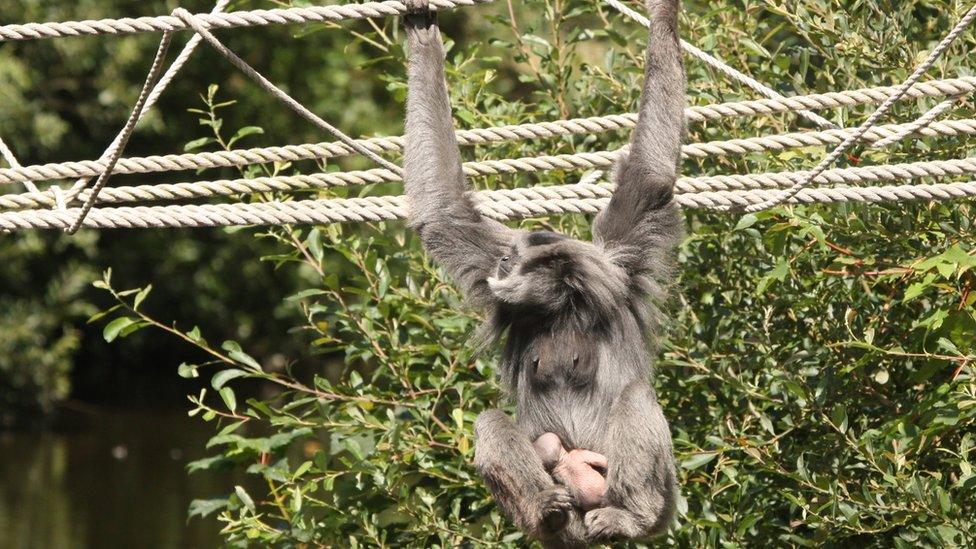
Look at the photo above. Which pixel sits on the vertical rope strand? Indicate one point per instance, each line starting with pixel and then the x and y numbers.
pixel 722 66
pixel 126 132
pixel 192 22
pixel 157 91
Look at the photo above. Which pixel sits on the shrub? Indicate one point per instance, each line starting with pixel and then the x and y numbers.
pixel 818 373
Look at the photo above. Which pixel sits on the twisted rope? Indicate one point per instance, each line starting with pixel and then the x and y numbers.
pixel 684 185
pixel 780 180
pixel 722 66
pixel 194 23
pixel 717 192
pixel 154 72
pixel 251 18
pixel 887 134
pixel 577 126
pixel 588 199
pixel 725 200
pixel 903 88
pixel 817 101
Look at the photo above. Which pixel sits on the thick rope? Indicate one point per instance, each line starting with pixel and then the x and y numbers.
pixel 251 18
pixel 588 199
pixel 903 88
pixel 126 133
pixel 722 66
pixel 578 126
pixel 848 98
pixel 684 185
pixel 889 134
pixel 724 200
pixel 157 91
pixel 781 180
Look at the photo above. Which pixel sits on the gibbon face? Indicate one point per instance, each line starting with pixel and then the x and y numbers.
pixel 553 272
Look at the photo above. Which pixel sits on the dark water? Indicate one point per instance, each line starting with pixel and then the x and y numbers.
pixel 107 478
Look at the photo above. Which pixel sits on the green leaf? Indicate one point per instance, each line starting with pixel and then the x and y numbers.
pixel 198 144
pixel 244 497
pixel 244 358
pixel 235 352
pixel 260 407
pixel 914 291
pixel 746 221
pixel 141 296
pixel 206 464
pixel 698 460
pixel 204 507
pixel 839 417
pixel 305 293
pixel 777 274
pixel 227 394
pixel 246 131
pixel 101 314
pixel 195 336
pixel 302 469
pixel 114 328
pixel 223 376
pixel 187 371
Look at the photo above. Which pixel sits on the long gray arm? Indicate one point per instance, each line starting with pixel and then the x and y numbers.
pixel 466 244
pixel 641 217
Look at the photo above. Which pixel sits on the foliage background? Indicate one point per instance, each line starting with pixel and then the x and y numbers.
pixel 818 374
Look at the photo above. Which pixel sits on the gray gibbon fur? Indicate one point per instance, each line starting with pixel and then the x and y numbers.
pixel 577 318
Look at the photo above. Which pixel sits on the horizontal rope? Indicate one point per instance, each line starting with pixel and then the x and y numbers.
pixel 890 133
pixel 310 151
pixel 816 101
pixel 927 118
pixel 590 199
pixel 599 160
pixel 576 126
pixel 779 180
pixel 250 18
pixel 723 200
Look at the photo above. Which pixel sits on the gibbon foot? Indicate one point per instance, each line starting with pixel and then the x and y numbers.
pixel 610 523
pixel 554 506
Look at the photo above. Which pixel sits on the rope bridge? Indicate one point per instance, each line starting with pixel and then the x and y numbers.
pixel 102 206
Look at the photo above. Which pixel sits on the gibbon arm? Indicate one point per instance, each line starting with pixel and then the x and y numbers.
pixel 465 243
pixel 641 218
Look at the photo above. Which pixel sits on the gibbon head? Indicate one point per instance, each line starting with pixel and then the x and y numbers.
pixel 552 273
